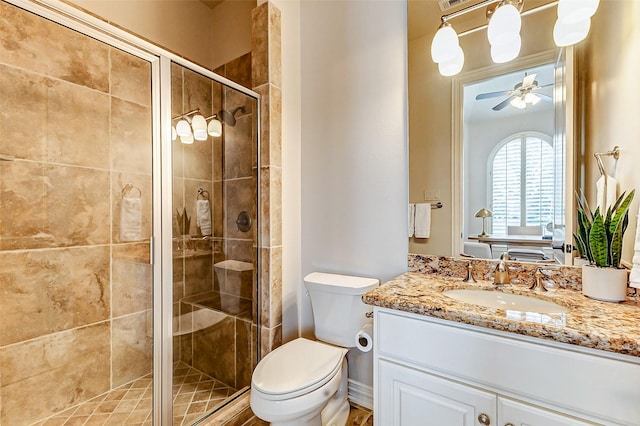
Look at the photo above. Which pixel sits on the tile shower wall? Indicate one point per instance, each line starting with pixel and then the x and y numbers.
pixel 225 168
pixel 75 301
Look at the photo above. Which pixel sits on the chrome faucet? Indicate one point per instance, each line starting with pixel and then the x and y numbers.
pixel 501 275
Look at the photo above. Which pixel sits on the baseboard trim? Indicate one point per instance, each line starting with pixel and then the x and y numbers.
pixel 361 394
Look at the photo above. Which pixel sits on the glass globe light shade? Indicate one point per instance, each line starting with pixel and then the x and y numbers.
pixel 199 125
pixel 565 34
pixel 518 103
pixel 453 66
pixel 174 135
pixel 505 20
pixel 187 140
pixel 443 46
pixel 183 128
pixel 531 98
pixel 507 50
pixel 573 11
pixel 214 128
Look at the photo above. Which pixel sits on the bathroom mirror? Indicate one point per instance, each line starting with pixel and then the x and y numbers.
pixel 435 169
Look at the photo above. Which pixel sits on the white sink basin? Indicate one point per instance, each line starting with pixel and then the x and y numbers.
pixel 507 301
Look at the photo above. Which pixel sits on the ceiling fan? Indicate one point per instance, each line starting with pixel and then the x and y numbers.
pixel 523 94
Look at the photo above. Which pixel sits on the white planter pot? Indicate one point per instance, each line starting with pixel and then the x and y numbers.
pixel 606 284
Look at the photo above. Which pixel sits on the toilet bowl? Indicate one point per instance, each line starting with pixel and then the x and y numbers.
pixel 293 384
pixel 304 382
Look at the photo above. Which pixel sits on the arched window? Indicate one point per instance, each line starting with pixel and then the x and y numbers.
pixel 522 182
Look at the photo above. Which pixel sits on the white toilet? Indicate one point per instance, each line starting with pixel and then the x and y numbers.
pixel 304 382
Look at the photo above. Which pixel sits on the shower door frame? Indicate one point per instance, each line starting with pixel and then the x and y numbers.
pixel 160 244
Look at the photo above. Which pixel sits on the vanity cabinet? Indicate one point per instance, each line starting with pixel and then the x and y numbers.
pixel 443 373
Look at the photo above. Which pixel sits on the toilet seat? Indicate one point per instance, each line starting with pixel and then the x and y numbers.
pixel 296 368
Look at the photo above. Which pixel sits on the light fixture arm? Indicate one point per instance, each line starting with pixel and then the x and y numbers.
pixel 467 9
pixel 187 114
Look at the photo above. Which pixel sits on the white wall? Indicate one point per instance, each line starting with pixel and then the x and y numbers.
pixel 354 139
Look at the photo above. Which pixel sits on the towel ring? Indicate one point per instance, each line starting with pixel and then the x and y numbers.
pixel 201 193
pixel 129 187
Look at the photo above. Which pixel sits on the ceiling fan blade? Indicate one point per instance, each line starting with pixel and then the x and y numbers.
pixel 545 97
pixel 493 94
pixel 528 80
pixel 503 104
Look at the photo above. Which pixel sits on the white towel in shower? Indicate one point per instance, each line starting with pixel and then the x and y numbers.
pixel 611 193
pixel 423 220
pixel 131 219
pixel 203 217
pixel 412 219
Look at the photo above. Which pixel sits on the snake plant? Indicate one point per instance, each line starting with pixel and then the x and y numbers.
pixel 599 236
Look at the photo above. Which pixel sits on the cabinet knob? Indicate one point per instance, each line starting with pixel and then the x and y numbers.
pixel 484 419
pixel 508 424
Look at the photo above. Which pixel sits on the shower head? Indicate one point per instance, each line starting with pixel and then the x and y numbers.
pixel 229 117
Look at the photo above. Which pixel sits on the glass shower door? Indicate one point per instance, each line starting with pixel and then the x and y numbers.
pixel 75 223
pixel 214 239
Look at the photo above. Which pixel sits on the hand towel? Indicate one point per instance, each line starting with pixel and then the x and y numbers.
pixel 203 217
pixel 611 193
pixel 423 220
pixel 412 217
pixel 131 219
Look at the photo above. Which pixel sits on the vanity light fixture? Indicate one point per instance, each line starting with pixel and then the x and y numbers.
pixel 194 126
pixel 503 31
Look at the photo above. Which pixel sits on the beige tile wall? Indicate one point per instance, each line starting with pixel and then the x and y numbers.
pixel 74 301
pixel 267 81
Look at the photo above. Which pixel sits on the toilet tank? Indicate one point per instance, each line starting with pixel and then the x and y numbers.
pixel 336 301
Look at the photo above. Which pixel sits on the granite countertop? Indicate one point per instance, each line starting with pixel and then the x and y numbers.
pixel 613 327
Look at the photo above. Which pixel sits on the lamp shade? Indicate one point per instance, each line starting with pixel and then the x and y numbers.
pixel 183 128
pixel 507 50
pixel 443 46
pixel 566 34
pixel 505 20
pixel 187 140
pixel 453 66
pixel 215 127
pixel 573 11
pixel 483 213
pixel 199 125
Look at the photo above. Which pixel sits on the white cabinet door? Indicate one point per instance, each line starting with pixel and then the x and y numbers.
pixel 411 397
pixel 512 413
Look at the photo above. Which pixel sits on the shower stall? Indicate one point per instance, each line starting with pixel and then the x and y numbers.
pixel 128 255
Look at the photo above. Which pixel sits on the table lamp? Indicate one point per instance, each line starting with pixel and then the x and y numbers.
pixel 484 214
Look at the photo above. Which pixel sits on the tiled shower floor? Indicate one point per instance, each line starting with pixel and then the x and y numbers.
pixel 194 393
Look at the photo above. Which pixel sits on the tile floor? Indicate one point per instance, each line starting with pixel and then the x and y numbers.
pixel 238 413
pixel 194 394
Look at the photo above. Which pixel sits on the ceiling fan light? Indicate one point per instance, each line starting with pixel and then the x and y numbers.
pixel 199 125
pixel 505 20
pixel 183 128
pixel 573 11
pixel 518 103
pixel 454 66
pixel 565 34
pixel 505 52
pixel 444 44
pixel 531 98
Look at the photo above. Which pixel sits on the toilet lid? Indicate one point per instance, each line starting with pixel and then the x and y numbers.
pixel 297 367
